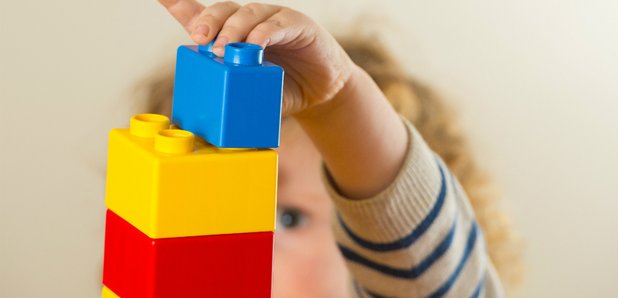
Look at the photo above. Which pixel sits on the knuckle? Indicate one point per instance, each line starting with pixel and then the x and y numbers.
pixel 287 11
pixel 230 4
pixel 247 12
pixel 210 19
pixel 229 30
pixel 252 8
pixel 273 23
pixel 168 2
pixel 291 14
pixel 259 30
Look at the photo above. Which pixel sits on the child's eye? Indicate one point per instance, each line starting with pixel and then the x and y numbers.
pixel 290 218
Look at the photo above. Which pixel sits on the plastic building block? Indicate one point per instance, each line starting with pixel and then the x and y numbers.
pixel 231 102
pixel 237 265
pixel 168 183
pixel 107 293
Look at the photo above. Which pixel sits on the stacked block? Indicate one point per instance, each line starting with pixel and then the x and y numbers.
pixel 186 218
pixel 233 101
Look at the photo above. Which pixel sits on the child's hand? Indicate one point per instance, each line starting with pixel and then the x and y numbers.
pixel 316 67
pixel 360 137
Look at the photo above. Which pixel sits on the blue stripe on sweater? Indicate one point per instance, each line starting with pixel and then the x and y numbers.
pixel 479 288
pixel 373 295
pixel 357 289
pixel 414 235
pixel 464 259
pixel 411 273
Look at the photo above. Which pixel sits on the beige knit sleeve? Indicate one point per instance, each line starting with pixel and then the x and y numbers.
pixel 417 238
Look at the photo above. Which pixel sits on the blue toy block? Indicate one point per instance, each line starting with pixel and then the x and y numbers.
pixel 232 102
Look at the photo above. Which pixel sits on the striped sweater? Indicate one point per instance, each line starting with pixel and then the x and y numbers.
pixel 417 238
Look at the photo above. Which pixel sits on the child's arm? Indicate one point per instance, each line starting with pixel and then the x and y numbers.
pixel 416 238
pixel 404 228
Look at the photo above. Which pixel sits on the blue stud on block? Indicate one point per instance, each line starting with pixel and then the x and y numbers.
pixel 234 102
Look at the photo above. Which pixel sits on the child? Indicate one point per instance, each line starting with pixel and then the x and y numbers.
pixel 401 224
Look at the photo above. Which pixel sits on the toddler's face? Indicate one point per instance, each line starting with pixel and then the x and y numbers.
pixel 307 262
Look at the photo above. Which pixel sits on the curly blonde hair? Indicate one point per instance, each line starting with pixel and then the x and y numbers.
pixel 436 124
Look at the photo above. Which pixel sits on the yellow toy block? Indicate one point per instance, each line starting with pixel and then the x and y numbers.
pixel 168 183
pixel 107 293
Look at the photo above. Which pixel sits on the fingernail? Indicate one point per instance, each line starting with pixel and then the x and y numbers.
pixel 266 42
pixel 218 47
pixel 201 30
pixel 200 34
pixel 221 41
pixel 219 51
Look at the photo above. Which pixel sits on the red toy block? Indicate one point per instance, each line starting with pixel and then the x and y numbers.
pixel 232 265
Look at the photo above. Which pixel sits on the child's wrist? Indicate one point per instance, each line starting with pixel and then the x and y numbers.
pixel 344 97
pixel 341 129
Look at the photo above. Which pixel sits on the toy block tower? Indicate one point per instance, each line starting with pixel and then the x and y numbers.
pixel 189 213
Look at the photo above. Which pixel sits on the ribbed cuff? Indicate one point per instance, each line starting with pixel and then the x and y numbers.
pixel 400 207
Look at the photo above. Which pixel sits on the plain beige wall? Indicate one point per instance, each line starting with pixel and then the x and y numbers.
pixel 534 81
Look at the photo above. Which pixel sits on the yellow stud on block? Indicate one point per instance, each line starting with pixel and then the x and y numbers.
pixel 174 141
pixel 107 293
pixel 148 125
pixel 169 183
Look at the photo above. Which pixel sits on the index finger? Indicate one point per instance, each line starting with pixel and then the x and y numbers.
pixel 184 11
